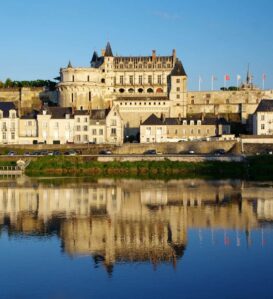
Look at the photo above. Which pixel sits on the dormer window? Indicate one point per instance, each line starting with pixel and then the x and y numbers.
pixel 12 114
pixel 184 122
pixel 192 122
pixel 199 122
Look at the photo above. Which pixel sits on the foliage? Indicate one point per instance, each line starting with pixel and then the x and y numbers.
pixel 35 83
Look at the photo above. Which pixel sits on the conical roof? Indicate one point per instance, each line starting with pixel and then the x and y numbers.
pixel 94 57
pixel 69 65
pixel 108 51
pixel 178 69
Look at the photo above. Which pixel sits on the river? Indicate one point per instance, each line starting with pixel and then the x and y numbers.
pixel 78 238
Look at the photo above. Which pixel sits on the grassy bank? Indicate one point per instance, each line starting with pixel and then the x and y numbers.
pixel 157 169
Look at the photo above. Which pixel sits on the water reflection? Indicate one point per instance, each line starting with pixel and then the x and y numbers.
pixel 133 221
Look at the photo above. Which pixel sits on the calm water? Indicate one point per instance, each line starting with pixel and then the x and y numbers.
pixel 135 239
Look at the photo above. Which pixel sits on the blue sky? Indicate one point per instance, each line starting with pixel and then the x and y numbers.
pixel 211 37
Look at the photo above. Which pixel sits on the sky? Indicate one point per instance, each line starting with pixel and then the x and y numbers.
pixel 212 37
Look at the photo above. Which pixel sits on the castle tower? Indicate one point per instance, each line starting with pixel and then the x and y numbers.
pixel 178 90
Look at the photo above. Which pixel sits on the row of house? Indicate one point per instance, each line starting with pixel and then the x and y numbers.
pixel 61 125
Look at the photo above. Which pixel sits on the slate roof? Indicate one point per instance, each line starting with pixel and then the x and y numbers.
pixel 6 107
pixel 99 113
pixel 32 115
pixel 265 106
pixel 153 120
pixel 82 112
pixel 58 112
pixel 108 51
pixel 178 69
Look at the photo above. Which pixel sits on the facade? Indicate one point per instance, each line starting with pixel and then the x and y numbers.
pixel 9 122
pixel 154 129
pixel 60 125
pixel 263 118
pixel 143 83
pixel 147 85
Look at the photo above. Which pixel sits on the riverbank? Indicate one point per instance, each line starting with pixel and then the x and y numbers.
pixel 256 167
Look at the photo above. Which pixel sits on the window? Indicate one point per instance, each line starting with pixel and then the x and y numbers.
pixel 89 96
pixel 72 97
pixel 177 88
pixel 150 79
pixel 199 122
pixel 140 80
pixel 85 128
pixel 29 123
pixel 86 119
pixel 113 131
pixel 159 79
pixel 148 131
pixel 78 128
pixel 94 132
pixel 131 80
pixel 13 115
pixel 113 122
pixel 4 135
pixel 101 131
pixel 12 126
pixel 121 79
pixel 262 117
pixel 78 119
pixel 88 78
pixel 12 135
pixel 73 78
pixel 178 96
pixel 85 137
pixel 199 131
pixel 177 80
pixel 262 126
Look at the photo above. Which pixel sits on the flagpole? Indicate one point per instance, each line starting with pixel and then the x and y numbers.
pixel 199 83
pixel 212 79
pixel 225 82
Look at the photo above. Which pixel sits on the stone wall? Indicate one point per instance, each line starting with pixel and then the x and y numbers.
pixel 27 98
pixel 242 102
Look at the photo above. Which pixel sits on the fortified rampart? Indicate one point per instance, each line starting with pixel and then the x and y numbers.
pixel 241 102
pixel 27 98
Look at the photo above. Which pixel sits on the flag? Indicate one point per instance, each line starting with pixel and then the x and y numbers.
pixel 264 76
pixel 227 77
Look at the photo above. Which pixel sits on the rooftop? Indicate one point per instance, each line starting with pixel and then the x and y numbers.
pixel 265 106
pixel 6 107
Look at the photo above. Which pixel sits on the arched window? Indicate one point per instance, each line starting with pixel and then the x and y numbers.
pixel 150 90
pixel 140 90
pixel 121 90
pixel 102 80
pixel 159 90
pixel 131 90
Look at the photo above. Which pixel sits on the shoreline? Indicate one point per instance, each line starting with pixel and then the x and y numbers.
pixel 253 167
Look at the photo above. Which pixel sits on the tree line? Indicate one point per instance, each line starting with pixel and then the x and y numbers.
pixel 34 83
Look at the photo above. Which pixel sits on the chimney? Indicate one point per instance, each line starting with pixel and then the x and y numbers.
pixel 153 55
pixel 174 56
pixel 103 52
pixel 203 116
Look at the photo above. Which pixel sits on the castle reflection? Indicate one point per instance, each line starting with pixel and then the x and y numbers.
pixel 131 220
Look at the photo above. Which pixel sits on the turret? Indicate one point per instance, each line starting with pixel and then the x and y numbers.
pixel 178 90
